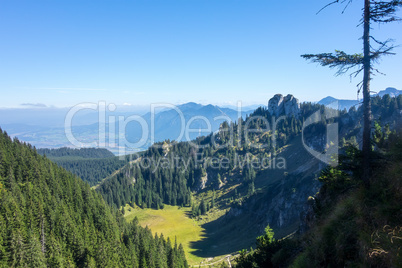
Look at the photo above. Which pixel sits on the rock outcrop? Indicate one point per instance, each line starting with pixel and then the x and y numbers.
pixel 279 105
pixel 275 105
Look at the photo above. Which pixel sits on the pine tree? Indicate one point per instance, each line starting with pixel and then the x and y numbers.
pixel 203 207
pixel 373 12
pixel 34 254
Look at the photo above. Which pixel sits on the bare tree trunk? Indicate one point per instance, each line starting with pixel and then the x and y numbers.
pixel 366 95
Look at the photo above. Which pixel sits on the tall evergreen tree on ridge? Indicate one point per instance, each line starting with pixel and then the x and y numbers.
pixel 376 12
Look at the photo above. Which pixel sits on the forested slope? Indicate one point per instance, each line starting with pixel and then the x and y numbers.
pixel 168 172
pixel 347 224
pixel 92 171
pixel 90 164
pixel 51 218
pixel 78 153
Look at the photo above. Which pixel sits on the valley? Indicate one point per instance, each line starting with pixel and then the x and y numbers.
pixel 245 202
pixel 210 237
pixel 178 134
pixel 225 188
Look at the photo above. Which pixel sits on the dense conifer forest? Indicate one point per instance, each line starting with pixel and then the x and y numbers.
pixel 90 164
pixel 77 153
pixel 51 218
pixel 92 171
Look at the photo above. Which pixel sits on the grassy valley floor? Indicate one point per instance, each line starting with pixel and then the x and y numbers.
pixel 173 222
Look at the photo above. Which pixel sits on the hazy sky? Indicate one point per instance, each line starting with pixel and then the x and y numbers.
pixel 211 51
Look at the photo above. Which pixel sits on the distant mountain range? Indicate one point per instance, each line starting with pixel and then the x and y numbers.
pixel 47 130
pixel 393 92
pixel 244 108
pixel 43 127
pixel 347 104
pixel 338 103
pixel 196 117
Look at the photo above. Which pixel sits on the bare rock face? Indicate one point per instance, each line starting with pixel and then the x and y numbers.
pixel 279 105
pixel 292 105
pixel 275 105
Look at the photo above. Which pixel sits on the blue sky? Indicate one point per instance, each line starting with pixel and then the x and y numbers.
pixel 60 53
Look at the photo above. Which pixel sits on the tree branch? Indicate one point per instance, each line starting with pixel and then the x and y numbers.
pixel 327 5
pixel 383 12
pixel 344 62
pixel 335 2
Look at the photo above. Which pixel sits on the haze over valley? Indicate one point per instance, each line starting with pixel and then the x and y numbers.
pixel 202 133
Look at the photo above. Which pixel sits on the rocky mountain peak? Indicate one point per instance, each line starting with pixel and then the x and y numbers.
pixel 288 105
pixel 392 92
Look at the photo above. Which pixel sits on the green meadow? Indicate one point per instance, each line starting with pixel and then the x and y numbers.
pixel 173 222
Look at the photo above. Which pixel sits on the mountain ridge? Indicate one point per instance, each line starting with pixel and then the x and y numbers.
pixel 167 125
pixel 347 104
pixel 243 199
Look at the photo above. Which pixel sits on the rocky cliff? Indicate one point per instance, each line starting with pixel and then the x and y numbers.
pixel 279 105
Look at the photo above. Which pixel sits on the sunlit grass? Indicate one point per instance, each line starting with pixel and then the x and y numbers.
pixel 173 222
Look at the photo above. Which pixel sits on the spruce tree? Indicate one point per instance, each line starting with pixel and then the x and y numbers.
pixel 373 12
